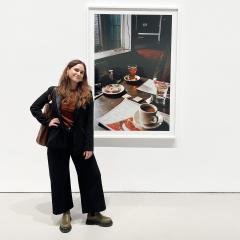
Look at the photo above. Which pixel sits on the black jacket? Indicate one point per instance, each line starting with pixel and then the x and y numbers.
pixel 57 136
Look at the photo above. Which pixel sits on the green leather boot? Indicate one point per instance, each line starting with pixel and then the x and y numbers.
pixel 98 219
pixel 65 225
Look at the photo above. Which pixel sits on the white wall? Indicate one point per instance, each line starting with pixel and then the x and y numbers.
pixel 39 37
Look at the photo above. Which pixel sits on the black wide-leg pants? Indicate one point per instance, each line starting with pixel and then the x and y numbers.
pixel 89 180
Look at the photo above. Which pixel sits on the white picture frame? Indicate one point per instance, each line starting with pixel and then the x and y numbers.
pixel 106 137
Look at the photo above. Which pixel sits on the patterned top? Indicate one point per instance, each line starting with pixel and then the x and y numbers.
pixel 67 109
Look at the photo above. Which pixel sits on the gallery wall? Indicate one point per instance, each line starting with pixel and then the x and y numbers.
pixel 39 37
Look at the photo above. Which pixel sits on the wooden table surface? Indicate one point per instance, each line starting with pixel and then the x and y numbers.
pixel 104 104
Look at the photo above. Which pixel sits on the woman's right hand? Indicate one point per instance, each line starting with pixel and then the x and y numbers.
pixel 54 122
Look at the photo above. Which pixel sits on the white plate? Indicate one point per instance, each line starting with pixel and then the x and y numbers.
pixel 115 93
pixel 139 124
pixel 126 78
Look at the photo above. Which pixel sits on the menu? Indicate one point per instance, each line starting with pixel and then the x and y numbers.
pixel 120 118
pixel 148 87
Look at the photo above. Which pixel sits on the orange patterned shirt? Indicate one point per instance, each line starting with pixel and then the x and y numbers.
pixel 67 109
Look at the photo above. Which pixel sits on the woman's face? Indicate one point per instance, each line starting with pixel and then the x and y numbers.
pixel 76 73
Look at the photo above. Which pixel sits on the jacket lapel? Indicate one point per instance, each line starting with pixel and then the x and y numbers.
pixel 58 103
pixel 76 114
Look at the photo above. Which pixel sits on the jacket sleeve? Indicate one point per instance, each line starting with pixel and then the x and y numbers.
pixel 36 107
pixel 89 141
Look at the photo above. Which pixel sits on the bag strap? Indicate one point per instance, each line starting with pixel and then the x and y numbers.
pixel 51 94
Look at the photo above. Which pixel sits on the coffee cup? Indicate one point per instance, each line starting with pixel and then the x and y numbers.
pixel 148 114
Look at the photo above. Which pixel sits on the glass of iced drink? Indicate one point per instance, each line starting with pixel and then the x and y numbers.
pixel 161 91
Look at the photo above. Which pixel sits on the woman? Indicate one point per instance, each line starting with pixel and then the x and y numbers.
pixel 71 134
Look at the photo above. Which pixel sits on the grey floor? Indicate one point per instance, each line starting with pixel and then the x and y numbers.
pixel 148 216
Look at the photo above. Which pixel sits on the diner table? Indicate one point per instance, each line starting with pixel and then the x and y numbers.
pixel 103 104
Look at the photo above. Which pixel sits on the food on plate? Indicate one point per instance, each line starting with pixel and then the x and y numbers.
pixel 112 88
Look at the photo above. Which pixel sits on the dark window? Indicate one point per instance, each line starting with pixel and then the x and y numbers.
pixel 107 32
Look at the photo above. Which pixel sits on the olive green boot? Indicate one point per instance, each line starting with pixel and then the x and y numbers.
pixel 98 219
pixel 65 225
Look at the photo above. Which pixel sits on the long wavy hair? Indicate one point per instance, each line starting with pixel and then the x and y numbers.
pixel 83 96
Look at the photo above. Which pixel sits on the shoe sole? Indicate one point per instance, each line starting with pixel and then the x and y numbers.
pixel 92 222
pixel 65 230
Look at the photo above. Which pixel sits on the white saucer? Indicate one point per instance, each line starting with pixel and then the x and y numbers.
pixel 121 89
pixel 139 124
pixel 126 78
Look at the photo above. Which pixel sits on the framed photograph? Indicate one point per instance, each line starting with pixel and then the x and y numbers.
pixel 132 58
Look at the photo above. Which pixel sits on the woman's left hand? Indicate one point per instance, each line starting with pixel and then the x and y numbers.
pixel 87 154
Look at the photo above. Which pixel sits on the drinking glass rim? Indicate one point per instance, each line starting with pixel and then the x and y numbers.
pixel 132 66
pixel 157 82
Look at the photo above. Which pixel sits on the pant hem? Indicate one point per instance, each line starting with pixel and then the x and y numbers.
pixel 94 210
pixel 62 211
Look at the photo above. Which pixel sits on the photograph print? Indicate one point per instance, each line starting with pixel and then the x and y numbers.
pixel 133 76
